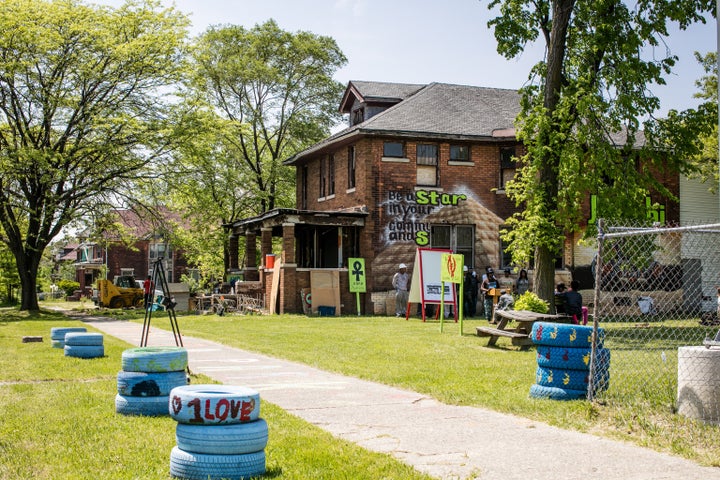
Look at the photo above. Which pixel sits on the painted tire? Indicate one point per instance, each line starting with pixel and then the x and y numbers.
pixel 58 344
pixel 214 404
pixel 570 379
pixel 83 338
pixel 564 335
pixel 198 466
pixel 84 351
pixel 58 333
pixel 141 384
pixel 146 406
pixel 154 359
pixel 231 439
pixel 569 358
pixel 554 393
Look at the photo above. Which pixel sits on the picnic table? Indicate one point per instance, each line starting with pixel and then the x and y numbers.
pixel 520 333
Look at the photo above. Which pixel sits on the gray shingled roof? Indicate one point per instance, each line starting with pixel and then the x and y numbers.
pixel 434 110
pixel 442 109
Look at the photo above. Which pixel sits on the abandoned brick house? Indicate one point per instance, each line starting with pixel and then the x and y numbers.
pixel 418 166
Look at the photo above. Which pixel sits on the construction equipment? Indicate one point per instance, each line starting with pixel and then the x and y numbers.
pixel 123 293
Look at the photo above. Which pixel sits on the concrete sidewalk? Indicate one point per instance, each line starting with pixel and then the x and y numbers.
pixel 444 441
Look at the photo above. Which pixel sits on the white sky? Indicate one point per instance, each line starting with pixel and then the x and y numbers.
pixel 423 41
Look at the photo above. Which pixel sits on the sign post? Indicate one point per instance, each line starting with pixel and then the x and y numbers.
pixel 451 271
pixel 356 274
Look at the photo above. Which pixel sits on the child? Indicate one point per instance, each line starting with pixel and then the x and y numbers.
pixel 574 303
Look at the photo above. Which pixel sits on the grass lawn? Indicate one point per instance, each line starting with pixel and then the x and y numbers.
pixel 454 369
pixel 58 421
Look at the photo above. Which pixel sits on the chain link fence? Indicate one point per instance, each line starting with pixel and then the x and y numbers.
pixel 656 297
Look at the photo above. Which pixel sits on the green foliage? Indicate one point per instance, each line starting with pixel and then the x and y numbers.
pixel 84 95
pixel 530 301
pixel 581 115
pixel 68 286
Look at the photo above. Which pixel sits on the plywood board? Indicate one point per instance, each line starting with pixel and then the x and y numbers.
pixel 325 289
pixel 275 288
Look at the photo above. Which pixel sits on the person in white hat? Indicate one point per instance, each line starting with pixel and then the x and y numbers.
pixel 400 282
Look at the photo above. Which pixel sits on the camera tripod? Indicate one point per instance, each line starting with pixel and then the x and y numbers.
pixel 159 278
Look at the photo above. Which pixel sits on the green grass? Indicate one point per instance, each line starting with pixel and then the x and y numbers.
pixel 58 421
pixel 459 370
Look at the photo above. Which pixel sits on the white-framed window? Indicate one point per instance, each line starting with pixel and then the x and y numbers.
pixel 351 167
pixel 458 238
pixel 459 153
pixel 394 149
pixel 427 165
pixel 507 165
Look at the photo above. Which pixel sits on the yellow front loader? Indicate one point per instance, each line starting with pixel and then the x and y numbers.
pixel 120 294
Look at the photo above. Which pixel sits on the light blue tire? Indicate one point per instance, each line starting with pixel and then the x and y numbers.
pixel 554 393
pixel 142 384
pixel 58 333
pixel 564 335
pixel 84 351
pixel 83 338
pixel 141 406
pixel 569 358
pixel 199 466
pixel 231 439
pixel 214 404
pixel 154 359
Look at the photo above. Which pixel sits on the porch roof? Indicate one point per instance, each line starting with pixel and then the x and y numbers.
pixel 354 217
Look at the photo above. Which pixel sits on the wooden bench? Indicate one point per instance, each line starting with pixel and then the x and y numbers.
pixel 518 338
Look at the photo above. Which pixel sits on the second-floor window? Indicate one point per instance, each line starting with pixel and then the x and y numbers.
pixel 459 153
pixel 331 175
pixel 304 187
pixel 351 167
pixel 427 165
pixel 393 149
pixel 323 177
pixel 507 165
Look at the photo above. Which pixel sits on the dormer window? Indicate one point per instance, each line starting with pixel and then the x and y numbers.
pixel 358 116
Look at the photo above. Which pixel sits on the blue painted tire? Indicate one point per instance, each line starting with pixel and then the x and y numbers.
pixel 554 393
pixel 142 406
pixel 564 335
pixel 231 439
pixel 570 379
pixel 83 338
pixel 84 351
pixel 58 333
pixel 569 358
pixel 214 404
pixel 154 359
pixel 198 466
pixel 142 384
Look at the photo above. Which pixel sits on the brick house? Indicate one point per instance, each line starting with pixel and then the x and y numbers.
pixel 418 166
pixel 111 254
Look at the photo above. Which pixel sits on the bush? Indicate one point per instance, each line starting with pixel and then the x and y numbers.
pixel 530 301
pixel 68 286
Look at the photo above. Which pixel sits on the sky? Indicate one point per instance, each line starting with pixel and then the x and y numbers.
pixel 424 41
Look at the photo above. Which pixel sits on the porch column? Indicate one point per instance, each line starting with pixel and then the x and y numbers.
pixel 251 271
pixel 265 244
pixel 233 248
pixel 289 290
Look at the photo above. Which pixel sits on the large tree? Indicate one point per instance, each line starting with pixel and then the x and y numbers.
pixel 257 97
pixel 582 113
pixel 81 113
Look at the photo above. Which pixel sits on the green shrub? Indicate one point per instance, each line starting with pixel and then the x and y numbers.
pixel 530 301
pixel 68 286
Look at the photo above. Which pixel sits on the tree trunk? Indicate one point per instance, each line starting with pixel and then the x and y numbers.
pixel 544 275
pixel 28 284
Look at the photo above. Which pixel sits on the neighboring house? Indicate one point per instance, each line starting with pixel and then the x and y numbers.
pixel 111 254
pixel 418 166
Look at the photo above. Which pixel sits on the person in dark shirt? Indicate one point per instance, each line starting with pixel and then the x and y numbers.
pixel 574 303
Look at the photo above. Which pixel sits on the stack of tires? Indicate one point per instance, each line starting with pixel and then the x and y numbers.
pixel 147 377
pixel 57 335
pixel 84 345
pixel 219 433
pixel 563 361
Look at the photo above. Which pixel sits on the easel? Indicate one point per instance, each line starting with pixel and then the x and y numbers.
pixel 159 278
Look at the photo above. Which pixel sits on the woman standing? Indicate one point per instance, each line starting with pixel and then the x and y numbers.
pixel 523 283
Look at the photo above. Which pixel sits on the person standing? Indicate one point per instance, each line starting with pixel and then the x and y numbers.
pixel 470 293
pixel 400 283
pixel 148 289
pixel 488 283
pixel 523 282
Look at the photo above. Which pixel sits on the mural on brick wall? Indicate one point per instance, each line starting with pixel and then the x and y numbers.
pixel 407 217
